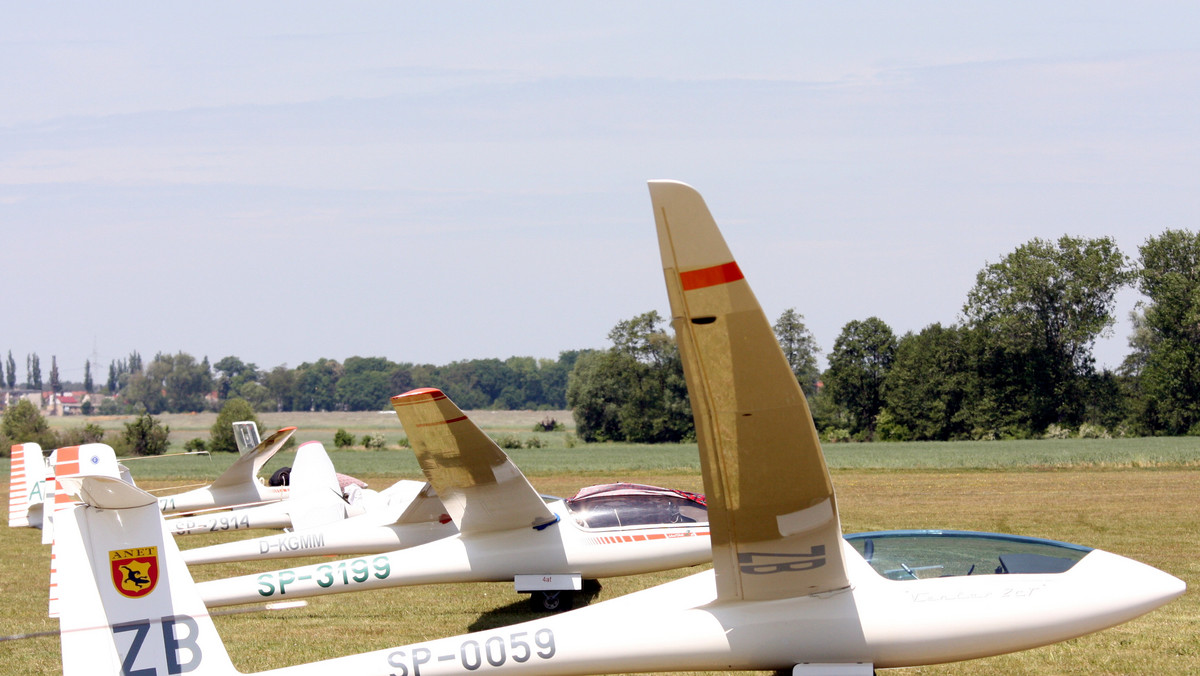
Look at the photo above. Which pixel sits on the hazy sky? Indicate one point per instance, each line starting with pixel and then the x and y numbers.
pixel 442 181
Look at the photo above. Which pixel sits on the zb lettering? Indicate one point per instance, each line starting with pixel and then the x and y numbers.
pixel 760 563
pixel 179 633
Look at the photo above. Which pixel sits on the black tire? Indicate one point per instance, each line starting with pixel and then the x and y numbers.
pixel 281 477
pixel 551 601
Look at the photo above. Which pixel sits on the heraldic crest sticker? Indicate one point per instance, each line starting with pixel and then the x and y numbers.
pixel 134 571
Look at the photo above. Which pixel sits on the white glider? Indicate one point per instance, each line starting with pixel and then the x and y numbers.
pixel 31 474
pixel 314 499
pixel 786 591
pixel 406 513
pixel 506 531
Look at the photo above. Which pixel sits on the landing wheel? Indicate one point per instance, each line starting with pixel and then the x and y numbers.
pixel 552 601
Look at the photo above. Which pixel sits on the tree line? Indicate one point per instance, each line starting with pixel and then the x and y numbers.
pixel 178 383
pixel 1017 364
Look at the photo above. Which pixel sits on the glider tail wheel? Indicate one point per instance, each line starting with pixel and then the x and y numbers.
pixel 552 600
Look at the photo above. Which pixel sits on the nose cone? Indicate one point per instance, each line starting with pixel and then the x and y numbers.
pixel 1123 588
pixel 965 617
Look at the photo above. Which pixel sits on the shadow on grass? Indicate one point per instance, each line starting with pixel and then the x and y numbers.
pixel 524 611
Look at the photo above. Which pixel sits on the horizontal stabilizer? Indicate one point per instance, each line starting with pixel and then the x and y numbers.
pixel 106 492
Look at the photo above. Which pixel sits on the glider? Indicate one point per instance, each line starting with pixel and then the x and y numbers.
pixel 313 499
pixel 405 514
pixel 506 530
pixel 785 592
pixel 31 475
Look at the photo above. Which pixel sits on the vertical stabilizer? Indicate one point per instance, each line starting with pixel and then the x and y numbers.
pixel 73 461
pixel 129 605
pixel 315 498
pixel 245 469
pixel 775 528
pixel 482 489
pixel 27 476
pixel 245 434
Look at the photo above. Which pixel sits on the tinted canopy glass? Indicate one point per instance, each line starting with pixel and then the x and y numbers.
pixel 617 505
pixel 913 555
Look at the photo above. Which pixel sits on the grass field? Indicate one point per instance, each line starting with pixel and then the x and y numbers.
pixel 320 426
pixel 1137 498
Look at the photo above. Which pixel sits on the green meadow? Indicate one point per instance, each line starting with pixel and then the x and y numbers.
pixel 1136 497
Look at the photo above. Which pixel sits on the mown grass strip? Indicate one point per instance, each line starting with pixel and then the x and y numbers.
pixel 1149 515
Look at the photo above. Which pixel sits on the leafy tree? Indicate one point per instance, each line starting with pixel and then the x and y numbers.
pixel 88 385
pixel 23 423
pixel 55 383
pixel 800 348
pixel 365 384
pixel 1109 400
pixel 401 380
pixel 142 392
pixel 858 365
pixel 596 393
pixel 925 388
pixel 281 384
pixel 145 436
pixel 120 371
pixel 184 382
pixel 316 385
pixel 12 372
pixel 367 364
pixel 473 383
pixel 257 394
pixel 1 375
pixel 635 391
pixel 33 372
pixel 234 373
pixel 221 433
pixel 364 390
pixel 1038 313
pixel 1166 340
pixel 554 380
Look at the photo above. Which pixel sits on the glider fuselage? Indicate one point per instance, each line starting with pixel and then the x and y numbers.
pixel 559 548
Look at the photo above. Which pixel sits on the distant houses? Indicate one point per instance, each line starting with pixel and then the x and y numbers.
pixel 55 403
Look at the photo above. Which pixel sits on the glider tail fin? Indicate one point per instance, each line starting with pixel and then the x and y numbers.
pixel 245 434
pixel 129 605
pixel 72 461
pixel 771 506
pixel 26 472
pixel 482 489
pixel 315 498
pixel 244 470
